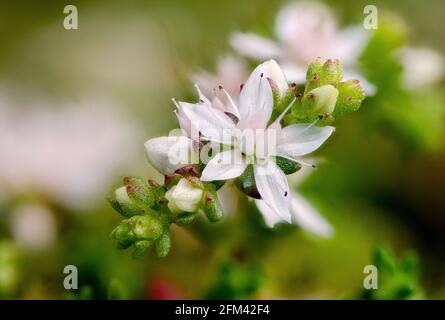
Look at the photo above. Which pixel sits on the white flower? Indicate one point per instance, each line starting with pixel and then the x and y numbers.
pixel 253 112
pixel 69 154
pixel 305 31
pixel 421 67
pixel 33 226
pixel 183 197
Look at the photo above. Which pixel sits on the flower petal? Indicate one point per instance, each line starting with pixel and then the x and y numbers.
pixel 273 71
pixel 256 99
pixel 273 188
pixel 167 154
pixel 298 24
pixel 211 122
pixel 349 44
pixel 254 46
pixel 307 217
pixel 225 165
pixel 301 139
pixel 295 72
pixel 271 218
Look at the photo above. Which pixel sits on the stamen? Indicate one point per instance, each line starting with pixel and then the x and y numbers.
pixel 235 108
pixel 303 163
pixel 177 104
pixel 310 126
pixel 202 97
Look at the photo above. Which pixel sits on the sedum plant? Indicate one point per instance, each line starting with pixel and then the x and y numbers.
pixel 254 140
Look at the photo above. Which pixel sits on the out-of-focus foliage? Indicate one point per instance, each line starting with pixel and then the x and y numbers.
pixel 233 280
pixel 396 279
pixel 413 117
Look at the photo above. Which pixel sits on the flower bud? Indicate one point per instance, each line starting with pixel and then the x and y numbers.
pixel 321 100
pixel 314 69
pixel 139 192
pixel 158 191
pixel 123 235
pixel 212 206
pixel 146 227
pixel 122 203
pixel 184 197
pixel 331 73
pixel 140 247
pixel 163 244
pixel 350 97
pixel 320 74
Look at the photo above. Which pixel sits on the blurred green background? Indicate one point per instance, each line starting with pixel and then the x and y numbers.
pixel 382 182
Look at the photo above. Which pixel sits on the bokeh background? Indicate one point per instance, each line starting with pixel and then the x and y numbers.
pixel 76 107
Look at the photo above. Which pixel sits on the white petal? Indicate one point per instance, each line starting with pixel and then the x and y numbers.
pixel 211 122
pixel 307 217
pixel 272 70
pixel 271 218
pixel 295 72
pixel 273 188
pixel 167 154
pixel 349 44
pixel 298 24
pixel 254 46
pixel 297 18
pixel 225 165
pixel 184 122
pixel 256 100
pixel 301 139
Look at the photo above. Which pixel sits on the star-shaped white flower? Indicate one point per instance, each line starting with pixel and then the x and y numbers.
pixel 253 113
pixel 306 30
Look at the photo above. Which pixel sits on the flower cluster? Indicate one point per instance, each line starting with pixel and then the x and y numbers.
pixel 254 140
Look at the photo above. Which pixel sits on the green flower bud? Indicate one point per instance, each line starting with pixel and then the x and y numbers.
pixel 163 244
pixel 320 101
pixel 320 74
pixel 331 73
pixel 146 227
pixel 158 191
pixel 212 206
pixel 139 192
pixel 350 97
pixel 123 235
pixel 314 69
pixel 184 197
pixel 140 247
pixel 123 204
